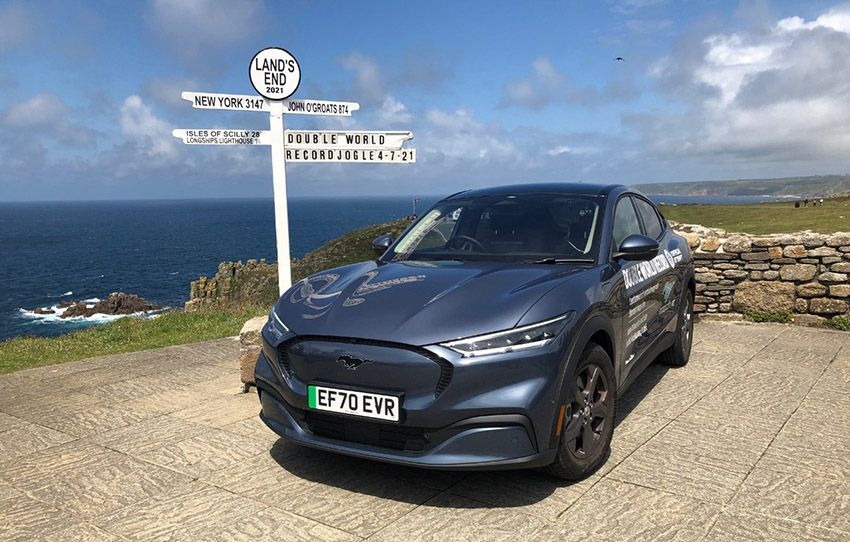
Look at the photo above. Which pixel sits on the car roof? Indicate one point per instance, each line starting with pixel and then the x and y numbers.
pixel 586 189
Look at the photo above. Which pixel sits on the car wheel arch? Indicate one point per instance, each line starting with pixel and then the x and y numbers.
pixel 595 330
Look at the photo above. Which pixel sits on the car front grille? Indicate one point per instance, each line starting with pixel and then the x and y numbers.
pixel 446 368
pixel 393 437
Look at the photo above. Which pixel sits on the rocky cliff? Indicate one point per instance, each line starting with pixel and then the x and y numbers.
pixel 254 283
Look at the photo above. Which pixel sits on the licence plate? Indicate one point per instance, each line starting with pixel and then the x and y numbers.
pixel 355 403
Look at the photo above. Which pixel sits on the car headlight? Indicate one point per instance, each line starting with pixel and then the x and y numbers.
pixel 511 340
pixel 275 326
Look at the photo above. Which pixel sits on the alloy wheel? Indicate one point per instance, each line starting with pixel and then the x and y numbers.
pixel 588 412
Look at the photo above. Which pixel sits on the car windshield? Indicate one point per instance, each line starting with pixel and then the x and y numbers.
pixel 532 228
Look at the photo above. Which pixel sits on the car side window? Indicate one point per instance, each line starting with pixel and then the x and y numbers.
pixel 651 222
pixel 625 221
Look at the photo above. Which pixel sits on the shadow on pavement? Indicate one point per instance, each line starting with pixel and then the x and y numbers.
pixel 479 489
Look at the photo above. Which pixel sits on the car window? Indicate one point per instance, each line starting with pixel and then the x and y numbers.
pixel 625 221
pixel 650 218
pixel 522 227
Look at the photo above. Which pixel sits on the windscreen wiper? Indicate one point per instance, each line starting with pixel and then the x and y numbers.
pixel 553 260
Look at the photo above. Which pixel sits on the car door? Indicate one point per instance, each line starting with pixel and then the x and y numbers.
pixel 667 293
pixel 640 289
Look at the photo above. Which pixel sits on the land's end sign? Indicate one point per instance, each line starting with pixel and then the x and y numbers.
pixel 274 73
pixel 331 139
pixel 215 136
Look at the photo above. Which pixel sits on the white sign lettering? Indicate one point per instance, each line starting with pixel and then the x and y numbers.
pixel 223 137
pixel 319 139
pixel 643 271
pixel 320 107
pixel 274 73
pixel 404 156
pixel 211 100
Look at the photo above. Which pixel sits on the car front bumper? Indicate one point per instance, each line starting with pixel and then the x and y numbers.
pixel 493 413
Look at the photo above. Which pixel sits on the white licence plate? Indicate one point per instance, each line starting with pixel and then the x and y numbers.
pixel 356 403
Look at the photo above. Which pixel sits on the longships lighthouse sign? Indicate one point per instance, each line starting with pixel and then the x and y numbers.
pixel 275 75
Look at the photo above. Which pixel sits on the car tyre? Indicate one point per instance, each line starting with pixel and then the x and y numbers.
pixel 588 421
pixel 679 354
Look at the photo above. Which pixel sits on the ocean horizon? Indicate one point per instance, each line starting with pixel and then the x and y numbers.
pixel 84 250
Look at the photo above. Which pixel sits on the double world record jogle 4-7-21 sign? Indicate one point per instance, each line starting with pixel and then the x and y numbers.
pixel 275 75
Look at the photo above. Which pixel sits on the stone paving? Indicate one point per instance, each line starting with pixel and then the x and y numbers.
pixel 748 442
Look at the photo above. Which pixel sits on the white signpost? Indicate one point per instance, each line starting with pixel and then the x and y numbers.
pixel 275 74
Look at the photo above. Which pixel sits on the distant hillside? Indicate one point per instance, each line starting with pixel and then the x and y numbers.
pixel 820 186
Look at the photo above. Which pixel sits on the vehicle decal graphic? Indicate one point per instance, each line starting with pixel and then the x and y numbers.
pixel 370 288
pixel 643 271
pixel 311 292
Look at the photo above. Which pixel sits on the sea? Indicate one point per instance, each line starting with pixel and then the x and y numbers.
pixel 62 251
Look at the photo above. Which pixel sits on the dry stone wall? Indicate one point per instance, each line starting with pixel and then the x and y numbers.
pixel 804 274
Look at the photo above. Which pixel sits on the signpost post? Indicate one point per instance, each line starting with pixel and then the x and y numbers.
pixel 275 74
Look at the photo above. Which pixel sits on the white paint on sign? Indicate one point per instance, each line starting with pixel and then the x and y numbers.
pixel 216 136
pixel 320 107
pixel 237 102
pixel 404 156
pixel 274 73
pixel 329 139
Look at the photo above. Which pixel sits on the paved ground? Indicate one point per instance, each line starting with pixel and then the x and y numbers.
pixel 750 441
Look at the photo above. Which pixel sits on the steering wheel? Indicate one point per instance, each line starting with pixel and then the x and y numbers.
pixel 465 242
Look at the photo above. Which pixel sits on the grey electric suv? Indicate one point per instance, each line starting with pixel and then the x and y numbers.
pixel 496 332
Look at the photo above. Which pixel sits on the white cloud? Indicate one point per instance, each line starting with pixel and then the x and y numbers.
pixel 458 136
pixel 150 134
pixel 47 115
pixel 560 149
pixel 40 110
pixel 777 95
pixel 547 86
pixel 368 81
pixel 393 111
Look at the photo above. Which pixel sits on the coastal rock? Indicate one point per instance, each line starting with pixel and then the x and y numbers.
pixel 737 243
pixel 811 289
pixel 43 310
pixel 795 251
pixel 250 344
pixel 809 320
pixel 116 303
pixel 825 305
pixel 764 296
pixel 797 272
pixel 710 244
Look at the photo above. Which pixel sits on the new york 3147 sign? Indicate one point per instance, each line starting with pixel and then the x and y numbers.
pixel 275 75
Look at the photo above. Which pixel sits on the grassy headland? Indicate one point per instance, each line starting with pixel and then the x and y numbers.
pixel 766 218
pixel 819 186
pixel 222 320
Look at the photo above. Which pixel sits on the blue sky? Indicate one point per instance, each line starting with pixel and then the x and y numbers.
pixel 495 92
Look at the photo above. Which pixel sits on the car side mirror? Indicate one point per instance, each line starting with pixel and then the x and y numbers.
pixel 637 247
pixel 382 243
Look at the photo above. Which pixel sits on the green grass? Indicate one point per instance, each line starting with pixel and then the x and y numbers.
pixel 782 317
pixel 839 322
pixel 124 335
pixel 766 218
